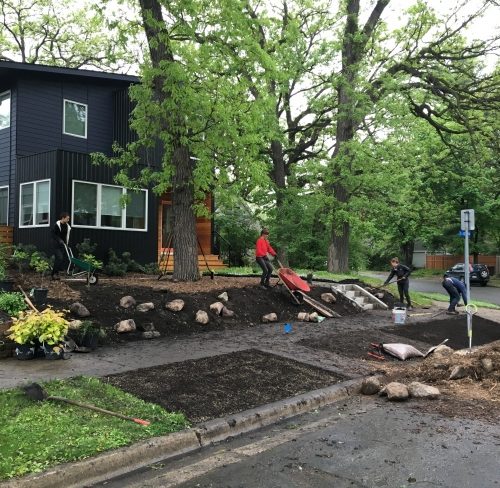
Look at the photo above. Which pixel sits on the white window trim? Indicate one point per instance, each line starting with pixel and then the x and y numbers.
pixel 8 201
pixel 98 210
pixel 86 118
pixel 34 183
pixel 10 114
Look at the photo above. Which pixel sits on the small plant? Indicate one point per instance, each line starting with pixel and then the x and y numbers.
pixel 132 265
pixel 21 256
pixel 92 260
pixel 12 303
pixel 88 334
pixel 115 266
pixel 48 327
pixel 40 264
pixel 86 247
pixel 152 268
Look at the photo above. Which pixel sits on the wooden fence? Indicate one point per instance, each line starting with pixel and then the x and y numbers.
pixel 445 261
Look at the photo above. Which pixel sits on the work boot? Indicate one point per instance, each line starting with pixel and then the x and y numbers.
pixel 264 287
pixel 452 312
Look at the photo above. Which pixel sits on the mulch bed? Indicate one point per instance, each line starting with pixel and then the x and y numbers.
pixel 222 385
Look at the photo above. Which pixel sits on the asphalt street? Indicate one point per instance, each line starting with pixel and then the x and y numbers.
pixel 362 442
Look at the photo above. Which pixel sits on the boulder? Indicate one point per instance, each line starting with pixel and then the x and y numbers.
pixel 443 350
pixel 224 296
pixel 201 317
pixel 420 390
pixel 458 372
pixel 370 386
pixel 79 310
pixel 127 325
pixel 304 316
pixel 313 317
pixel 145 307
pixel 487 365
pixel 227 313
pixel 328 297
pixel 75 324
pixel 175 305
pixel 150 334
pixel 269 317
pixel 395 392
pixel 217 307
pixel 127 301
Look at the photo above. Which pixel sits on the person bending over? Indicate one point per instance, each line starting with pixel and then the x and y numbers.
pixel 401 272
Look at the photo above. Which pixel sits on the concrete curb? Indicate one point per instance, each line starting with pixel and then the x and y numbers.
pixel 120 461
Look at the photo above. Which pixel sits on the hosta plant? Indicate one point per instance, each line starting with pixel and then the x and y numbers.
pixel 47 327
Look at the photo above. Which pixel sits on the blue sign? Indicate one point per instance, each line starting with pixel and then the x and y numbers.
pixel 461 233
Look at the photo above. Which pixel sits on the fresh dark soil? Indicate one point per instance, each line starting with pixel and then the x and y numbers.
pixel 223 385
pixel 420 335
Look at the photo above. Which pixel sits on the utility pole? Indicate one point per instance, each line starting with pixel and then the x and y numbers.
pixel 467 224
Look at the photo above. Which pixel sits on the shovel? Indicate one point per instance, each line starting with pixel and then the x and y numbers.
pixel 36 392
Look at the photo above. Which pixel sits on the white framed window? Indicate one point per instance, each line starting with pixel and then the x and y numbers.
pixel 34 204
pixel 4 205
pixel 4 110
pixel 99 205
pixel 75 119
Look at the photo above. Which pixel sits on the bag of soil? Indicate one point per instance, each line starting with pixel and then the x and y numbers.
pixel 402 351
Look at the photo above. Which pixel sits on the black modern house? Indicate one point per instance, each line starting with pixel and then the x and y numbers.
pixel 51 120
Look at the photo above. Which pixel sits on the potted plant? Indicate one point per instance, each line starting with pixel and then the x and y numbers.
pixel 33 330
pixel 41 265
pixel 87 335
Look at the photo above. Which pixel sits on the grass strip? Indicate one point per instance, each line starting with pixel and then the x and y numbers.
pixel 37 435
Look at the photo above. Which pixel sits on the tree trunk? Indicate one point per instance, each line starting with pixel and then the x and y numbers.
pixel 185 238
pixel 279 177
pixel 407 252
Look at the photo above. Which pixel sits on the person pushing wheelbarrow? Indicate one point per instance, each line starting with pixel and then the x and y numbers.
pixel 262 249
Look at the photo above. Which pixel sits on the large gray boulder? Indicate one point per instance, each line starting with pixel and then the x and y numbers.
pixel 421 390
pixel 127 301
pixel 79 310
pixel 124 326
pixel 396 392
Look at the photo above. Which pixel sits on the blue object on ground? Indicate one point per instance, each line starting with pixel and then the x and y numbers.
pixel 288 328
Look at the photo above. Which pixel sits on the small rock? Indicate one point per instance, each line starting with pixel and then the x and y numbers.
pixel 127 325
pixel 270 317
pixel 443 350
pixel 79 310
pixel 487 365
pixel 74 324
pixel 150 334
pixel 175 305
pixel 217 307
pixel 304 316
pixel 420 390
pixel 127 301
pixel 328 297
pixel 145 307
pixel 146 327
pixel 396 392
pixel 313 317
pixel 201 317
pixel 458 372
pixel 224 296
pixel 227 313
pixel 370 386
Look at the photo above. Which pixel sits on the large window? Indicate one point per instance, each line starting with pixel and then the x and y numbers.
pixel 75 119
pixel 34 204
pixel 100 205
pixel 4 110
pixel 4 205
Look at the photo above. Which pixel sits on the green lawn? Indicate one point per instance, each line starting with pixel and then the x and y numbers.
pixel 37 435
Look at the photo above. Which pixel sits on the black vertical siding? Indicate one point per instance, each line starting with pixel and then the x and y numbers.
pixel 7 150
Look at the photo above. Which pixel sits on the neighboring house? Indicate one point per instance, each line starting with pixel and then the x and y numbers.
pixel 51 120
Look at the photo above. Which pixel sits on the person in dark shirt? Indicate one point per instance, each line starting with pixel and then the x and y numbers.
pixel 455 289
pixel 262 249
pixel 401 272
pixel 60 239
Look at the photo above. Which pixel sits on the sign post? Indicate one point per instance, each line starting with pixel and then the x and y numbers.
pixel 467 224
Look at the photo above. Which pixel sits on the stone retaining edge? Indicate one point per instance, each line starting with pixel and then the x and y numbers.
pixel 120 461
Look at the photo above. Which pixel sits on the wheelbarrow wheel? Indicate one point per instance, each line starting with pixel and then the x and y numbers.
pixel 92 279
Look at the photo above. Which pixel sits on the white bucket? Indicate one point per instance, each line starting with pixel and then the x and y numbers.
pixel 399 315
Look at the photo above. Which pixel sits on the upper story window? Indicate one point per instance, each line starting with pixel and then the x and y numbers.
pixel 4 110
pixel 4 205
pixel 75 119
pixel 99 205
pixel 34 204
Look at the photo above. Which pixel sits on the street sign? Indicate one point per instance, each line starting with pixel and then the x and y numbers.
pixel 467 219
pixel 461 233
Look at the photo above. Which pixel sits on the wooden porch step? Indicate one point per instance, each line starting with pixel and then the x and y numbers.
pixel 212 260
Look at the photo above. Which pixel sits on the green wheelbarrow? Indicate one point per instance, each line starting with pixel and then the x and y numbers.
pixel 78 267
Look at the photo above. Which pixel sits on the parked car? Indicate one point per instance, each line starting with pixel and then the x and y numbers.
pixel 478 274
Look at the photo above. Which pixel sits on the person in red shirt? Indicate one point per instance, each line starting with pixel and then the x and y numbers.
pixel 262 249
